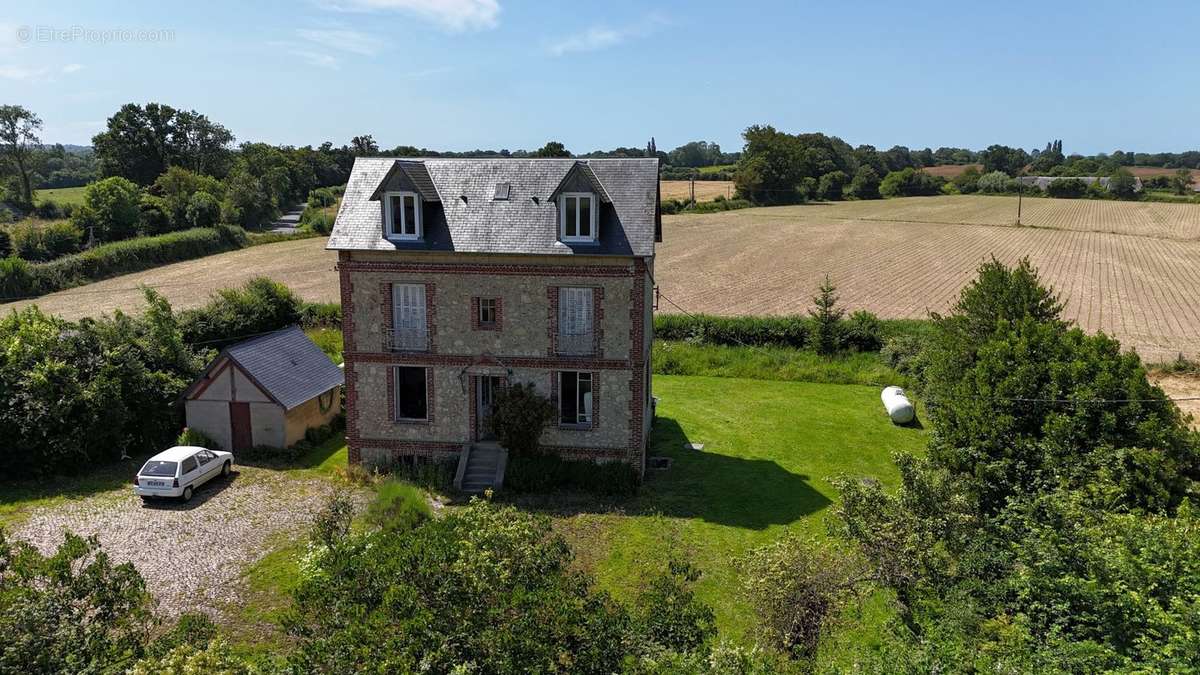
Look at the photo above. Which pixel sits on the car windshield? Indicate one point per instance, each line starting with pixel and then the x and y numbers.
pixel 157 468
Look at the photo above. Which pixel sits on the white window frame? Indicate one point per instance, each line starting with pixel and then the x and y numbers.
pixel 593 220
pixel 582 419
pixel 399 233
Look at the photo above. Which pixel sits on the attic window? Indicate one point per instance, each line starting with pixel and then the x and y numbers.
pixel 402 215
pixel 577 217
pixel 502 191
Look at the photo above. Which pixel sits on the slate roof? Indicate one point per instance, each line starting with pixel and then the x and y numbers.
pixel 286 365
pixel 467 219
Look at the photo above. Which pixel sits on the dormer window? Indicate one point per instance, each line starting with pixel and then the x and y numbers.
pixel 402 215
pixel 577 217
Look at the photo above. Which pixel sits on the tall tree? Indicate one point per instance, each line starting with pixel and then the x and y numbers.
pixel 141 142
pixel 18 140
pixel 364 146
pixel 553 149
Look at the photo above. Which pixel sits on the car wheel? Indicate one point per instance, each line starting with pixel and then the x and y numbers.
pixel 145 499
pixel 225 470
pixel 187 493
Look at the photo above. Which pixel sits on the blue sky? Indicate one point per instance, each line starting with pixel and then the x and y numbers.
pixel 462 74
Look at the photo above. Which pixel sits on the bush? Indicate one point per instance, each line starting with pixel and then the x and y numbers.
pixel 196 438
pixel 430 474
pixel 153 217
pixel 905 354
pixel 260 306
pixel 967 181
pixel 1066 188
pixel 910 182
pixel 70 612
pixel 321 198
pixel 16 280
pixel 789 331
pixel 549 473
pixel 203 210
pixel 111 206
pixel 831 185
pixel 40 242
pixel 48 210
pixel 862 332
pixel 995 182
pixel 316 220
pixel 123 257
pixel 865 184
pixel 718 205
pixel 5 243
pixel 519 416
pixel 673 206
pixel 321 315
pixel 398 507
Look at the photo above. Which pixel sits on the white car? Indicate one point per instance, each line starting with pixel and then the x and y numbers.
pixel 177 472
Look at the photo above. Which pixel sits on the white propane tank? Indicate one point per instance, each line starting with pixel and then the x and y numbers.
pixel 898 407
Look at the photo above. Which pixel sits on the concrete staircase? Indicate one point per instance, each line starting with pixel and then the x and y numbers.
pixel 481 466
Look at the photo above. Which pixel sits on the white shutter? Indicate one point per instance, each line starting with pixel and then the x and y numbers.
pixel 575 311
pixel 408 306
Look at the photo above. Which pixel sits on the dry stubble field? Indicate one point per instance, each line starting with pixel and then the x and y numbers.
pixel 706 190
pixel 1130 269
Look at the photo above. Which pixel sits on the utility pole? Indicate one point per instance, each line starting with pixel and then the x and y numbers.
pixel 1019 192
pixel 693 190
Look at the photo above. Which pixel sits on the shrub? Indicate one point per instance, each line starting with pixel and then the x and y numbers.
pixel 905 354
pixel 39 242
pixel 398 507
pixel 16 279
pixel 48 210
pixel 967 181
pixel 672 206
pixel 260 306
pixel 519 415
pixel 995 182
pixel 435 474
pixel 831 185
pixel 910 182
pixel 111 206
pixel 196 438
pixel 73 611
pixel 316 220
pixel 153 217
pixel 790 331
pixel 203 210
pixel 666 613
pixel 5 243
pixel 321 198
pixel 798 586
pixel 1066 188
pixel 321 314
pixel 548 473
pixel 718 205
pixel 862 332
pixel 122 257
pixel 865 184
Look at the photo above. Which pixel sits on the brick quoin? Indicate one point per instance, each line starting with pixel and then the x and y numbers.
pixel 637 361
pixel 351 379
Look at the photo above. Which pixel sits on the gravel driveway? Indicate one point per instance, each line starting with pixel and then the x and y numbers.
pixel 192 555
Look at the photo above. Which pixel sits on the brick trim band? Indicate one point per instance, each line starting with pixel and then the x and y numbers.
pixel 556 363
pixel 506 270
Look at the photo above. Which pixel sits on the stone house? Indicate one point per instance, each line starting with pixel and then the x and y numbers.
pixel 461 276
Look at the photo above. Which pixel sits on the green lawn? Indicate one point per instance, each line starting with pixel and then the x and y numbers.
pixel 770 449
pixel 60 196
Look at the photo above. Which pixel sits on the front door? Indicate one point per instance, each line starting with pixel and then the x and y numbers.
pixel 485 392
pixel 239 423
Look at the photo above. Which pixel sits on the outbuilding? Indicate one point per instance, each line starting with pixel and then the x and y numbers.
pixel 266 391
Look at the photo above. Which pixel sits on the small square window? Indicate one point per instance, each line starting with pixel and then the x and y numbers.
pixel 487 311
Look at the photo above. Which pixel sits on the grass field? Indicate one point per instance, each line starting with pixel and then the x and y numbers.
pixel 60 196
pixel 706 190
pixel 770 449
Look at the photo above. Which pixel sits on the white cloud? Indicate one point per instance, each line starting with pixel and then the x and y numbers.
pixel 72 68
pixel 343 39
pixel 317 58
pixel 603 37
pixel 25 74
pixel 452 15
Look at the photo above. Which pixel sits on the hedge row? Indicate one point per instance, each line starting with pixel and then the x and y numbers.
pixel 548 473
pixel 19 279
pixel 861 331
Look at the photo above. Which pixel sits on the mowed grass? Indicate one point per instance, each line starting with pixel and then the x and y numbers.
pixel 770 450
pixel 60 196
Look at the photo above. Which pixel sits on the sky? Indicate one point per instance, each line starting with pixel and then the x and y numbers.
pixel 466 74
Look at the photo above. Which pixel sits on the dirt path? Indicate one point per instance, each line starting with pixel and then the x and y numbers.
pixel 192 555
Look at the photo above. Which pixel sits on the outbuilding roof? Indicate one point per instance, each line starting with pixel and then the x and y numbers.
pixel 285 364
pixel 466 217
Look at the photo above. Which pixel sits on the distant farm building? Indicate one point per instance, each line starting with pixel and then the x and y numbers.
pixel 266 391
pixel 1043 182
